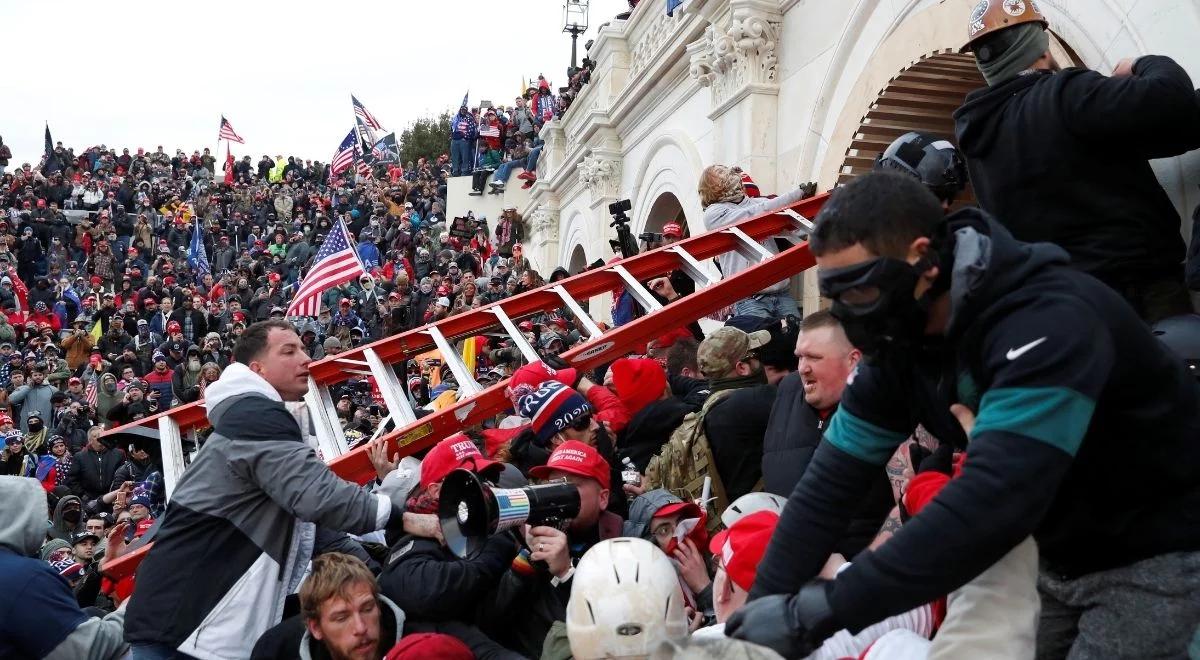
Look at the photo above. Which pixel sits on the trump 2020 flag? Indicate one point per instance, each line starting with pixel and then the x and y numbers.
pixel 197 255
pixel 385 150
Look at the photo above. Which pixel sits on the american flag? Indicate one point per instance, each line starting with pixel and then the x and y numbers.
pixel 90 394
pixel 343 158
pixel 227 132
pixel 366 117
pixel 336 262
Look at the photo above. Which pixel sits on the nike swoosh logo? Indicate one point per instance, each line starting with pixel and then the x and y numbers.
pixel 1014 353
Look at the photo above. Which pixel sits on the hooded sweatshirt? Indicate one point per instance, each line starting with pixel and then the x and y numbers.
pixel 39 616
pixel 239 528
pixel 1085 182
pixel 1069 388
pixel 105 400
pixel 59 527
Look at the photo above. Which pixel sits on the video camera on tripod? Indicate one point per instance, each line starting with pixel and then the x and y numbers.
pixel 470 511
pixel 624 243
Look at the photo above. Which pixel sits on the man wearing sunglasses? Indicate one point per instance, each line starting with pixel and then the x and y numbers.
pixel 1057 383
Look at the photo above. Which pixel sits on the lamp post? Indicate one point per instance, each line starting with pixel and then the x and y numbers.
pixel 575 23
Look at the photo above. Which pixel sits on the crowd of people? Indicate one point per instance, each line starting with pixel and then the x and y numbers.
pixel 926 469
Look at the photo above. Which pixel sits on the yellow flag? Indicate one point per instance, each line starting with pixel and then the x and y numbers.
pixel 96 332
pixel 468 353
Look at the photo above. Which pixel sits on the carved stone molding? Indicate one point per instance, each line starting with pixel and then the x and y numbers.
pixel 644 50
pixel 743 56
pixel 543 225
pixel 600 174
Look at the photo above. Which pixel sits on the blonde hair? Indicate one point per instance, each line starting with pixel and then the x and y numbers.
pixel 332 575
pixel 719 183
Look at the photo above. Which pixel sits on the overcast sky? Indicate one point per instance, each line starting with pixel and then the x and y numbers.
pixel 149 72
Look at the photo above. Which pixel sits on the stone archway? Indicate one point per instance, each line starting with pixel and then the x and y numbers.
pixel 922 97
pixel 666 208
pixel 578 261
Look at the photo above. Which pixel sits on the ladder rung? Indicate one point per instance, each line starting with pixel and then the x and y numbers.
pixel 171 443
pixel 692 267
pixel 391 388
pixel 330 437
pixel 635 288
pixel 749 248
pixel 803 224
pixel 467 385
pixel 593 330
pixel 379 430
pixel 514 333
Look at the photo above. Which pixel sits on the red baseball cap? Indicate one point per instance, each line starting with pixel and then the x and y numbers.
pixel 672 229
pixel 742 546
pixel 453 453
pixel 578 458
pixel 174 326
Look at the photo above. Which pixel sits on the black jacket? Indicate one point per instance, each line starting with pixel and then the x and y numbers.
pixel 431 584
pixel 92 473
pixel 1072 395
pixel 734 428
pixel 520 611
pixel 1063 158
pixel 794 431
pixel 649 429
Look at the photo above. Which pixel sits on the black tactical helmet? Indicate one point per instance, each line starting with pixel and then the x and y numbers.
pixel 937 163
pixel 1181 334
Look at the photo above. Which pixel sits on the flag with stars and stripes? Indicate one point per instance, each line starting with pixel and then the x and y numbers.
pixel 343 158
pixel 227 132
pixel 336 262
pixel 366 117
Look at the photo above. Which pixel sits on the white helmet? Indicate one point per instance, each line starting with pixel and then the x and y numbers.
pixel 751 503
pixel 625 601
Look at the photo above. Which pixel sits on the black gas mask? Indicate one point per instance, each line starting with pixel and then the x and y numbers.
pixel 874 302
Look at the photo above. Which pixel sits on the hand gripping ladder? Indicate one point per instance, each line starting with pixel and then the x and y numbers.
pixel 380 359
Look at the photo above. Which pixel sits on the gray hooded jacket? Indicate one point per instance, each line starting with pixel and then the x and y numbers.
pixel 39 616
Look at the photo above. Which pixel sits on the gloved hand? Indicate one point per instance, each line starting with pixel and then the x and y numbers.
pixel 793 626
pixel 938 460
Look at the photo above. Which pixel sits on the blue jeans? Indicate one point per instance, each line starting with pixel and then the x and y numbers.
pixel 505 170
pixel 157 652
pixel 529 163
pixel 462 157
pixel 767 305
